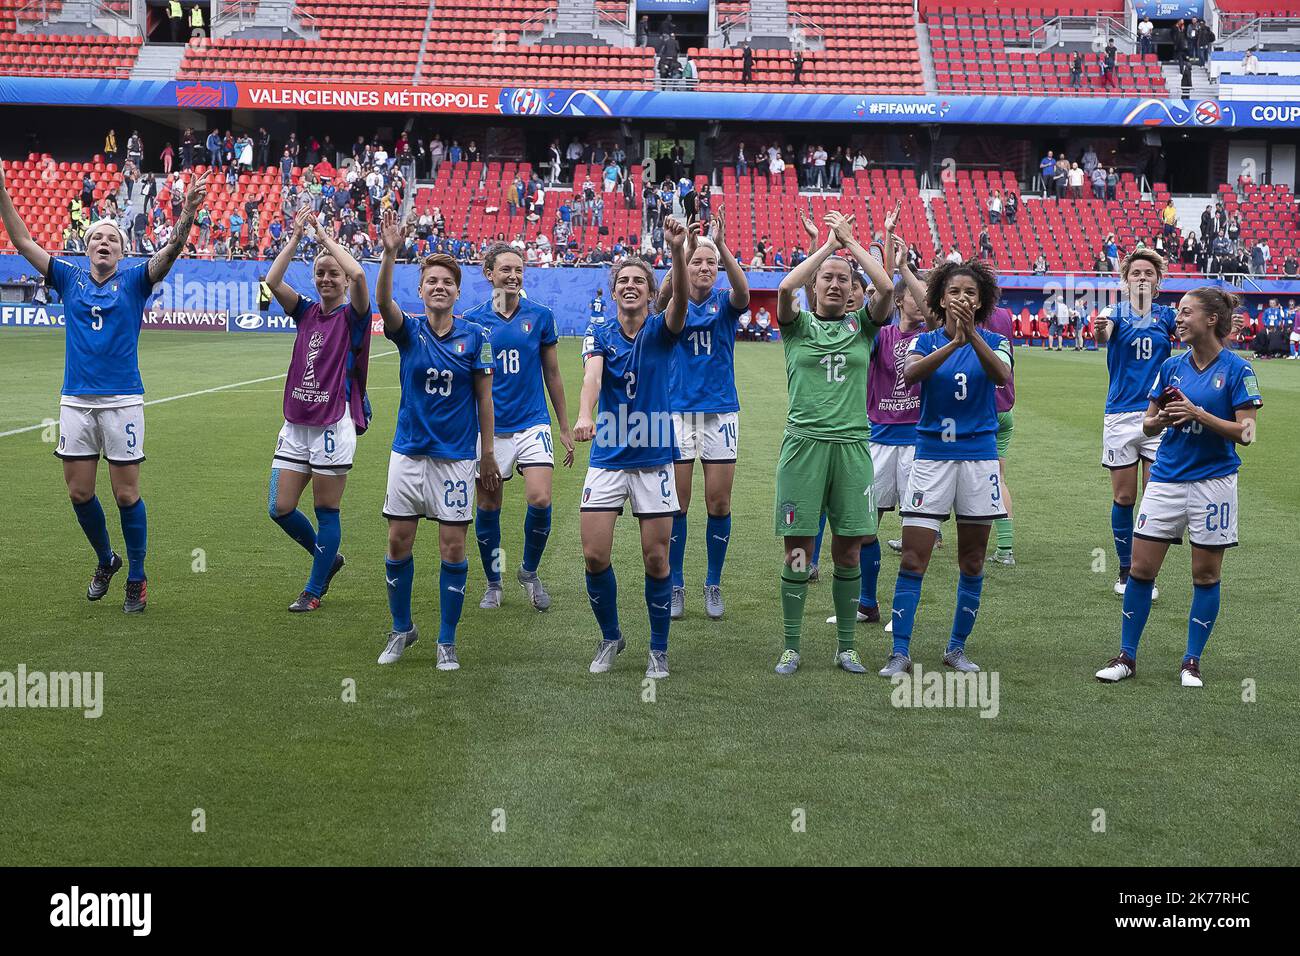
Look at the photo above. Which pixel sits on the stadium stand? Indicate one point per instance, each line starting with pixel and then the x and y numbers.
pixel 969 40
pixel 42 54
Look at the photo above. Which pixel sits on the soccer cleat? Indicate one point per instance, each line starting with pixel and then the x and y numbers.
pixel 306 602
pixel 447 658
pixel 865 615
pixel 606 651
pixel 491 597
pixel 1122 584
pixel 958 661
pixel 896 545
pixel 1004 557
pixel 679 604
pixel 713 601
pixel 136 597
pixel 1117 669
pixel 335 568
pixel 99 581
pixel 849 661
pixel 1190 673
pixel 897 664
pixel 398 641
pixel 788 664
pixel 536 591
pixel 813 574
pixel 658 667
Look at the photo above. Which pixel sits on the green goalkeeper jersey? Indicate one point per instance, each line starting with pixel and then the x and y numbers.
pixel 826 375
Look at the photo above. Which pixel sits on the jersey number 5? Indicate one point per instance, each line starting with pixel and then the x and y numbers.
pixel 97 318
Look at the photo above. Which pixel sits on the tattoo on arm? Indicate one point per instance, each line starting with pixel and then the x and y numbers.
pixel 161 261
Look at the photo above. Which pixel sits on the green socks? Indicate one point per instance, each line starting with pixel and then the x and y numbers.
pixel 794 595
pixel 845 590
pixel 1005 535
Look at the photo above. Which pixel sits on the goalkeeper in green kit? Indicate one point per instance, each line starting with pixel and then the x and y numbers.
pixel 825 459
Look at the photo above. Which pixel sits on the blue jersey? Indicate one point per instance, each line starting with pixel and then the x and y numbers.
pixel 704 362
pixel 438 414
pixel 1273 317
pixel 634 422
pixel 518 397
pixel 1137 347
pixel 1191 452
pixel 597 307
pixel 959 412
pixel 104 321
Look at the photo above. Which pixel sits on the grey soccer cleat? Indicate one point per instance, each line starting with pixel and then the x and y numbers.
pixel 398 642
pixel 491 597
pixel 679 604
pixel 658 665
pixel 895 545
pixel 447 660
pixel 713 601
pixel 137 597
pixel 897 664
pixel 814 575
pixel 536 591
pixel 606 651
pixel 103 574
pixel 1005 557
pixel 849 661
pixel 958 661
pixel 788 664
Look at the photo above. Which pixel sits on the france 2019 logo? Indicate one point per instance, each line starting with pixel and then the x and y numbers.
pixel 525 102
pixel 1207 113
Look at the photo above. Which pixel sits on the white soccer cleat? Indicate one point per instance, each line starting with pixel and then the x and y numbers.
pixel 491 597
pixel 398 642
pixel 1189 675
pixel 1122 583
pixel 606 651
pixel 1117 669
pixel 447 660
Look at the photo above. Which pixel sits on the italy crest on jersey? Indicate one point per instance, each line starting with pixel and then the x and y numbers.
pixel 787 509
pixel 460 348
pixel 528 326
pixel 917 498
pixel 851 324
pixel 1218 381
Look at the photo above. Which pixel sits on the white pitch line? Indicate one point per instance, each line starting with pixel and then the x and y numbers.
pixel 177 398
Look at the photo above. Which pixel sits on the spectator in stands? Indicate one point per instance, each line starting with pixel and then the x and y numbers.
pixel 1194 39
pixel 1234 229
pixel 796 60
pixel 1100 263
pixel 610 176
pixel 286 167
pixel 196 21
pixel 1146 39
pixel 236 225
pixel 213 146
pixel 1040 264
pixel 1186 75
pixel 1076 181
pixel 110 147
pixel 1090 161
pixel 758 261
pixel 1207 39
pixel 1110 54
pixel 1290 267
pixel 706 203
pixel 859 160
pixel 1061 177
pixel 204 221
pixel 775 166
pixel 835 167
pixel 1191 251
pixel 954 255
pixel 1250 63
pixel 1010 207
pixel 985 245
pixel 913 257
pixel 1076 69
pixel 746 63
pixel 1178 36
pixel 687 196
pixel 187 147
pixel 1209 227
pixel 471 153
pixel 742 165
pixel 175 20
pixel 1260 256
pixel 263 148
pixel 167 156
pixel 135 149
pixel 1169 219
pixel 995 207
pixel 1098 177
pixel 819 166
pixel 1112 183
pixel 643 31
pixel 87 190
pixel 763 321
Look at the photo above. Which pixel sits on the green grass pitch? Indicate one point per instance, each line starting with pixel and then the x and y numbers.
pixel 219 699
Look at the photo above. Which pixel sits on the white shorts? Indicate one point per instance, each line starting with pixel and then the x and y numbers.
pixel 709 436
pixel 892 466
pixel 653 490
pixel 1206 509
pixel 1123 442
pixel 530 448
pixel 972 490
pixel 322 450
pixel 116 433
pixel 1295 336
pixel 440 489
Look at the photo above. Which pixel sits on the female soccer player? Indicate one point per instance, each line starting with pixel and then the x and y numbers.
pixel 706 409
pixel 1138 335
pixel 626 368
pixel 524 340
pixel 1205 400
pixel 959 366
pixel 325 405
pixel 101 411
pixel 446 405
pixel 825 461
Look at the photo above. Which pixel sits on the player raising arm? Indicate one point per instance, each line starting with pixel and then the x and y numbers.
pixel 959 366
pixel 825 461
pixel 625 411
pixel 1205 402
pixel 524 345
pixel 446 406
pixel 325 405
pixel 1137 334
pixel 101 411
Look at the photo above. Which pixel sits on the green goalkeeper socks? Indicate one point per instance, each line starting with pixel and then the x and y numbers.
pixel 794 595
pixel 845 589
pixel 1005 535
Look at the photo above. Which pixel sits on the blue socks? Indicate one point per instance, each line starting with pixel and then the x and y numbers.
pixel 907 595
pixel 487 528
pixel 719 535
pixel 677 549
pixel 1121 526
pixel 658 601
pixel 817 542
pixel 968 607
pixel 399 575
pixel 90 515
pixel 295 524
pixel 1137 608
pixel 1200 622
pixel 327 548
pixel 602 591
pixel 869 561
pixel 537 531
pixel 451 598
pixel 136 533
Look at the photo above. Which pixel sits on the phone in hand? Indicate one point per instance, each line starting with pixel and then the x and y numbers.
pixel 1170 394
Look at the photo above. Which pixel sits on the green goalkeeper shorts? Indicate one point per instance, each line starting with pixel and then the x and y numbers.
pixel 1006 425
pixel 813 476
